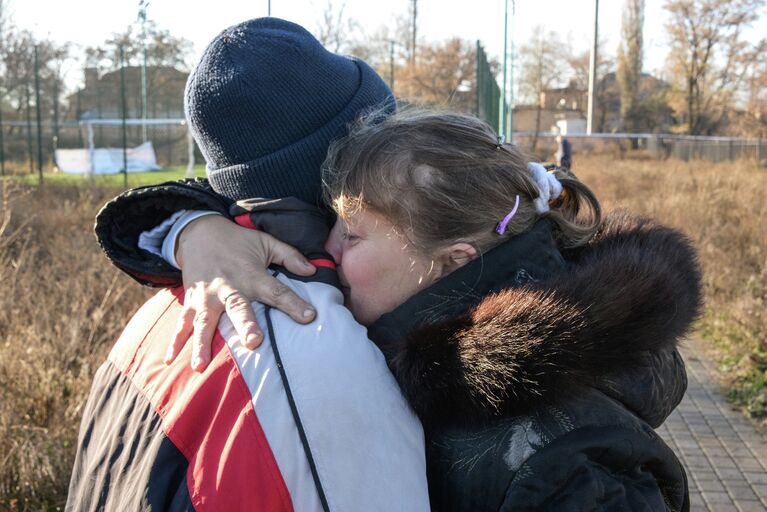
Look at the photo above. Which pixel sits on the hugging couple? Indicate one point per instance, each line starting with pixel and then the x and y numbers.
pixel 437 323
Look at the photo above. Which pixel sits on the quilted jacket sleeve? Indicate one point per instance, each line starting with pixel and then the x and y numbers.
pixel 124 218
pixel 606 469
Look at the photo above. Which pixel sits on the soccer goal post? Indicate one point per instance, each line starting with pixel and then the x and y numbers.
pixel 108 146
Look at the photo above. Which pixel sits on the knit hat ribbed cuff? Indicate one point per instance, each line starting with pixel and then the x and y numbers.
pixel 275 175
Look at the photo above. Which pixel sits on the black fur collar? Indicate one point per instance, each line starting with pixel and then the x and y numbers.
pixel 517 328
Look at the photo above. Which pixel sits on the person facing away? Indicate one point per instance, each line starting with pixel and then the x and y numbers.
pixel 536 346
pixel 311 420
pixel 564 154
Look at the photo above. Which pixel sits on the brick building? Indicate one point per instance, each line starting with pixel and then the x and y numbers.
pixel 100 96
pixel 563 103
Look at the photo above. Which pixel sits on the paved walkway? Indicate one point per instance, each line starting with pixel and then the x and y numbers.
pixel 725 456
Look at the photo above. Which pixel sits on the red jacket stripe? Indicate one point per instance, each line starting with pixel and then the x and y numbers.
pixel 209 416
pixel 321 262
pixel 245 221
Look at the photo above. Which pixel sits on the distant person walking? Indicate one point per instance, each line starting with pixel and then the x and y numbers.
pixel 564 153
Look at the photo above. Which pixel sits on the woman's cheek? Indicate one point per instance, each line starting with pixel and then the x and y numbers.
pixel 359 269
pixel 358 279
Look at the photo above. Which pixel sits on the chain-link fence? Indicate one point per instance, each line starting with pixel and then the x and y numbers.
pixel 660 146
pixel 714 149
pixel 49 95
pixel 28 145
pixel 24 149
pixel 488 94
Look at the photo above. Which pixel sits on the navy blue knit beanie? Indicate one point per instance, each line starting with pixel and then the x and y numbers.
pixel 265 102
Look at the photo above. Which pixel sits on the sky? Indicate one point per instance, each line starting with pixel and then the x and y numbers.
pixel 90 22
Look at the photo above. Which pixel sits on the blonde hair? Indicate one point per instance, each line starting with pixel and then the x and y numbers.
pixel 441 178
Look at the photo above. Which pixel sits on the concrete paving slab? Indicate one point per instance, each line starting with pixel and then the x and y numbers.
pixel 724 454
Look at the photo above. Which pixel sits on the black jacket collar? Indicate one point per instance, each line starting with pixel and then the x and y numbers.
pixel 526 258
pixel 295 222
pixel 489 341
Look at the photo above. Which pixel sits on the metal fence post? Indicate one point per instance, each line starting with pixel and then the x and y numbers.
pixel 478 81
pixel 125 113
pixel 91 151
pixel 504 93
pixel 190 153
pixel 488 93
pixel 78 114
pixel 2 143
pixel 29 132
pixel 391 65
pixel 56 106
pixel 39 118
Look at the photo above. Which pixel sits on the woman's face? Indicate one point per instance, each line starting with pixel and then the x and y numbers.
pixel 377 268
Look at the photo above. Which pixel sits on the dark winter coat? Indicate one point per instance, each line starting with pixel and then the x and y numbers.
pixel 539 382
pixel 539 379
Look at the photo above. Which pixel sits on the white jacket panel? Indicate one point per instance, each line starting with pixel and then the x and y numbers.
pixel 366 443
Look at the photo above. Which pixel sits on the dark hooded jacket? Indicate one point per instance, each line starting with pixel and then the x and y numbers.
pixel 539 380
pixel 538 375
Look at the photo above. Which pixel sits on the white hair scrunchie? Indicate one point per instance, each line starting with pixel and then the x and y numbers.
pixel 549 186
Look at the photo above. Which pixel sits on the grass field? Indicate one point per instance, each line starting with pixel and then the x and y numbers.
pixel 723 208
pixel 63 304
pixel 138 179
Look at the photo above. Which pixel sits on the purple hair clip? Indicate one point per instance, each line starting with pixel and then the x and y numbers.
pixel 501 229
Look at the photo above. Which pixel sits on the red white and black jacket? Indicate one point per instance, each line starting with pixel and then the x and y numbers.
pixel 311 420
pixel 539 388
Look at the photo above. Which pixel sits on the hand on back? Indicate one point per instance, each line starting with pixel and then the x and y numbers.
pixel 225 267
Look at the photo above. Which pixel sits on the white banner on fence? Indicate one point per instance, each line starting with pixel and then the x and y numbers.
pixel 106 160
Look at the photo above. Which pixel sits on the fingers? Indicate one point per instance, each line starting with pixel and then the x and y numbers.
pixel 244 320
pixel 209 273
pixel 290 258
pixel 205 324
pixel 183 331
pixel 270 291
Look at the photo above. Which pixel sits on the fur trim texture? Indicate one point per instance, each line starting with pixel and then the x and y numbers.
pixel 635 288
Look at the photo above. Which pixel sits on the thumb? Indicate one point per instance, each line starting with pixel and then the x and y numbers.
pixel 290 258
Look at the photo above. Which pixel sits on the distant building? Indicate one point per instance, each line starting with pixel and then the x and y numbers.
pixel 559 104
pixel 564 98
pixel 656 114
pixel 566 106
pixel 100 97
pixel 571 126
pixel 523 118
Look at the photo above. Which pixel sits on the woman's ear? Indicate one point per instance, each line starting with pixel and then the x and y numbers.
pixel 454 257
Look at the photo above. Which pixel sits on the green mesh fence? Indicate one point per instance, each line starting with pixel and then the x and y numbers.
pixel 488 92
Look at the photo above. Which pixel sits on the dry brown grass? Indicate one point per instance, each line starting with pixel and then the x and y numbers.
pixel 63 304
pixel 61 307
pixel 723 208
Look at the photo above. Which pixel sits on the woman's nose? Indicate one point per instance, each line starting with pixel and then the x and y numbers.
pixel 334 246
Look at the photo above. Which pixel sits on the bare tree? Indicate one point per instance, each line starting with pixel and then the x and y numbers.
pixel 387 50
pixel 5 22
pixel 163 49
pixel 335 31
pixel 442 76
pixel 542 60
pixel 5 19
pixel 629 69
pixel 413 29
pixel 754 118
pixel 18 63
pixel 18 82
pixel 710 57
pixel 579 64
